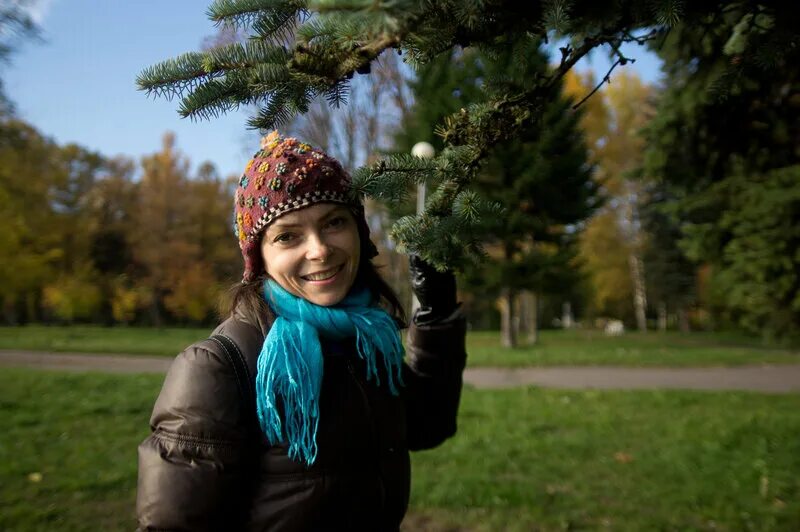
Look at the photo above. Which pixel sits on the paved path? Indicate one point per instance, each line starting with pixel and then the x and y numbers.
pixel 764 378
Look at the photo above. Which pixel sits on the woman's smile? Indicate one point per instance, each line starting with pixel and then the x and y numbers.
pixel 314 252
pixel 323 276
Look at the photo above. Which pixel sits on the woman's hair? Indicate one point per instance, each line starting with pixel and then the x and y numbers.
pixel 248 296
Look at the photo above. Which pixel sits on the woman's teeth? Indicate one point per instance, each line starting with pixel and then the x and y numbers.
pixel 321 276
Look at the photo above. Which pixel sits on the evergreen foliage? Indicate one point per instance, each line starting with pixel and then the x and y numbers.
pixel 335 39
pixel 725 145
pixel 671 276
pixel 541 179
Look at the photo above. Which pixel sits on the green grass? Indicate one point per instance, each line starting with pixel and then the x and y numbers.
pixel 555 348
pixel 79 432
pixel 583 348
pixel 523 459
pixel 526 459
pixel 167 341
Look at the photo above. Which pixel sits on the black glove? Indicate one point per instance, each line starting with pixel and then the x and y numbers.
pixel 435 291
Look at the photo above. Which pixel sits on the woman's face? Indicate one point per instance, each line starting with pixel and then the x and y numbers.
pixel 313 252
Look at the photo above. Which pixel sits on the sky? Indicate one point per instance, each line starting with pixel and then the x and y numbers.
pixel 78 84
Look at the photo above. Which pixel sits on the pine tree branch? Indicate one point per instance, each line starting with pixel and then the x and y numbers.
pixel 245 13
pixel 343 37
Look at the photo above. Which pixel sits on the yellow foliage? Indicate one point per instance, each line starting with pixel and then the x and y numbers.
pixel 604 255
pixel 125 301
pixel 73 297
pixel 194 293
pixel 612 119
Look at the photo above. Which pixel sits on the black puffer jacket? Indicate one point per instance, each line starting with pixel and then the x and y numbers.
pixel 207 466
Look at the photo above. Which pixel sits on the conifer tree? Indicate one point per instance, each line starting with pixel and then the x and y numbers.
pixel 300 50
pixel 725 144
pixel 541 179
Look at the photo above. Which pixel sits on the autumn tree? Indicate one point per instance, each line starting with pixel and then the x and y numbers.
pixel 161 247
pixel 75 291
pixel 111 206
pixel 212 257
pixel 182 242
pixel 613 243
pixel 31 247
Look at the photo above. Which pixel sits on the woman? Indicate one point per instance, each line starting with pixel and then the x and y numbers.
pixel 324 444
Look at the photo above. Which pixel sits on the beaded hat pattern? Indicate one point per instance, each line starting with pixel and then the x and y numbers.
pixel 283 176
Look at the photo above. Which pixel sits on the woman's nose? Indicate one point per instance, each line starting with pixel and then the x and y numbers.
pixel 317 249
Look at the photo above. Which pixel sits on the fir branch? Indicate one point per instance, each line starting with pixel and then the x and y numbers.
pixel 337 95
pixel 215 97
pixel 279 25
pixel 243 13
pixel 317 29
pixel 396 174
pixel 174 76
pixel 238 56
pixel 668 12
pixel 469 14
pixel 344 36
pixel 556 14
pixel 468 206
pixel 274 111
pixel 483 126
pixel 267 76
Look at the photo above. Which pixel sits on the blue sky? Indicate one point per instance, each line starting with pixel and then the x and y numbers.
pixel 78 85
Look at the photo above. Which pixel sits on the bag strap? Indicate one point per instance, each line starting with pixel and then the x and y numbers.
pixel 245 382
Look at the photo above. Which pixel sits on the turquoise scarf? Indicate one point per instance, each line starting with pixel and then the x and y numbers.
pixel 290 363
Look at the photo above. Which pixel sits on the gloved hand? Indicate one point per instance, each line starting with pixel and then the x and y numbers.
pixel 435 291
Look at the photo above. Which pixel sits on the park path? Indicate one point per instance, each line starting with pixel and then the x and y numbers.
pixel 761 378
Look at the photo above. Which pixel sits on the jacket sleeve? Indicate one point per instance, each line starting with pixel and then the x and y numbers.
pixel 433 377
pixel 192 466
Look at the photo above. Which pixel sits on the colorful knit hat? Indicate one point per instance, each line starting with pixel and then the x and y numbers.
pixel 283 176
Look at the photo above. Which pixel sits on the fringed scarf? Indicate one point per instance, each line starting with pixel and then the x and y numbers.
pixel 290 364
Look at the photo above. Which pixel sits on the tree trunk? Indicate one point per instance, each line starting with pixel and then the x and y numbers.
pixel 32 306
pixel 566 315
pixel 516 320
pixel 662 316
pixel 9 316
pixel 155 309
pixel 530 303
pixel 508 337
pixel 639 293
pixel 683 320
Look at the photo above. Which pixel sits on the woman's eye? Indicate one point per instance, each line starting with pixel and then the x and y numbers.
pixel 283 238
pixel 336 222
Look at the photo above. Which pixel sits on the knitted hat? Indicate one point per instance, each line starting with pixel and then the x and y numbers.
pixel 283 176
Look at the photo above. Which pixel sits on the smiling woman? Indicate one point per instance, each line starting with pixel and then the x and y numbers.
pixel 299 413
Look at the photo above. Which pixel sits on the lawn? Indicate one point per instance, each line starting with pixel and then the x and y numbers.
pixel 523 459
pixel 585 347
pixel 167 341
pixel 556 347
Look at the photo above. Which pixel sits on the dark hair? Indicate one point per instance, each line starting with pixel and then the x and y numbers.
pixel 248 298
